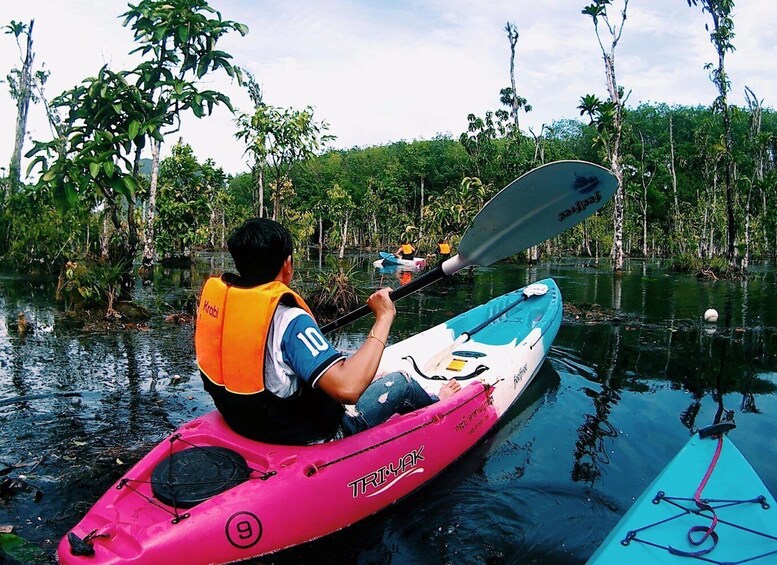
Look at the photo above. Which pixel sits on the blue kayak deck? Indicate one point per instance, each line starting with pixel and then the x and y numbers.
pixel 657 526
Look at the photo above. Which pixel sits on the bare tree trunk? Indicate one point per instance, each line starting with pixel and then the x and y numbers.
pixel 213 227
pixel 756 113
pixel 618 99
pixel 644 204
pixel 539 146
pixel 421 214
pixel 276 199
pixel 644 222
pixel 105 235
pixel 714 204
pixel 512 36
pixel 149 248
pixel 732 231
pixel 320 235
pixel 344 234
pixel 223 228
pixel 673 175
pixel 702 249
pixel 259 176
pixel 22 109
pixel 746 257
pixel 586 242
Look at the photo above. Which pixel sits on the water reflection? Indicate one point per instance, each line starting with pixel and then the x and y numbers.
pixel 591 447
pixel 622 395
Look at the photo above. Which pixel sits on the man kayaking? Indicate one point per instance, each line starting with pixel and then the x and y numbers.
pixel 272 374
pixel 443 249
pixel 406 250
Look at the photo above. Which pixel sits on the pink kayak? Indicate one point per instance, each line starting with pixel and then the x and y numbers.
pixel 275 496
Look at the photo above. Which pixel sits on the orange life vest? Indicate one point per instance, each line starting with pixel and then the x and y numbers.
pixel 444 248
pixel 231 335
pixel 407 250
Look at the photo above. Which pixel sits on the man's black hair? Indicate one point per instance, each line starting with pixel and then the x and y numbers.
pixel 259 247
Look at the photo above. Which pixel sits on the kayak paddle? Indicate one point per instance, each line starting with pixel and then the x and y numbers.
pixel 536 206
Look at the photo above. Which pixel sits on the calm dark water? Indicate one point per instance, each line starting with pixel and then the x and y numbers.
pixel 633 370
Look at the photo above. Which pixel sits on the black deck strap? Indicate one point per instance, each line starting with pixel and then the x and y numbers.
pixel 716 429
pixel 479 369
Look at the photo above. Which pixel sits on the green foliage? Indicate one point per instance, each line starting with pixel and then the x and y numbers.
pixel 451 212
pixel 277 139
pixel 92 159
pixel 21 550
pixel 181 35
pixel 90 284
pixel 181 38
pixel 692 264
pixel 34 237
pixel 332 291
pixel 110 117
pixel 186 190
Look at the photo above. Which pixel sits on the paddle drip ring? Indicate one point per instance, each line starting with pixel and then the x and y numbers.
pixel 194 475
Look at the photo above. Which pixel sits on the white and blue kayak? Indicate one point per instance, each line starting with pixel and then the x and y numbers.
pixel 389 259
pixel 708 505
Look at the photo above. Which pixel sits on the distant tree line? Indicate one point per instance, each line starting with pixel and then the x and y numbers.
pixel 696 182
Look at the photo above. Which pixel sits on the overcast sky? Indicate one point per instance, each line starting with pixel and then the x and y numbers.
pixel 381 71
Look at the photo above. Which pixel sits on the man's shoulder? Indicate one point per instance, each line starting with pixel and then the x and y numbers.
pixel 289 313
pixel 292 318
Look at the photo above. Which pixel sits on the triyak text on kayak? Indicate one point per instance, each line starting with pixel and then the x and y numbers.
pixel 406 465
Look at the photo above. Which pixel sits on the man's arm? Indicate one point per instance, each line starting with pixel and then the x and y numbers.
pixel 346 380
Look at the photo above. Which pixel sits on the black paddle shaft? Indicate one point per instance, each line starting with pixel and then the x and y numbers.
pixel 416 284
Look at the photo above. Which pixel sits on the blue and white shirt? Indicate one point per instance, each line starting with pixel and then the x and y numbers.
pixel 296 349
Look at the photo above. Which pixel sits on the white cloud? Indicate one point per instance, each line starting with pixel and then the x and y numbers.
pixel 384 71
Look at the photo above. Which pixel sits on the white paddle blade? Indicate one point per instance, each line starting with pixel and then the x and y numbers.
pixel 534 207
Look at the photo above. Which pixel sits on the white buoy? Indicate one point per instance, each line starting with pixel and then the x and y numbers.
pixel 711 315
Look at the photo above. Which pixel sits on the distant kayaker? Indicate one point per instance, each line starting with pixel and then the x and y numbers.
pixel 271 372
pixel 443 249
pixel 406 250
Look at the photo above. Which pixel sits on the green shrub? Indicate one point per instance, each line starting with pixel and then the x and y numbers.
pixel 91 284
pixel 332 292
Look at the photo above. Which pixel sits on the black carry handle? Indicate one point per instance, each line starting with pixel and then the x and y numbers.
pixel 416 284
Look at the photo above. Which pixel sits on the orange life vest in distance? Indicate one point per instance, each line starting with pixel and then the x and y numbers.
pixel 231 335
pixel 407 249
pixel 444 248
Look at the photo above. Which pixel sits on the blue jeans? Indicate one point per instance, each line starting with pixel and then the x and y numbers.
pixel 395 393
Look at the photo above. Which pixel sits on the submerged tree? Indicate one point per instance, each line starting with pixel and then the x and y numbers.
pixel 22 84
pixel 610 116
pixel 721 35
pixel 94 160
pixel 255 145
pixel 181 37
pixel 509 96
pixel 187 193
pixel 278 138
